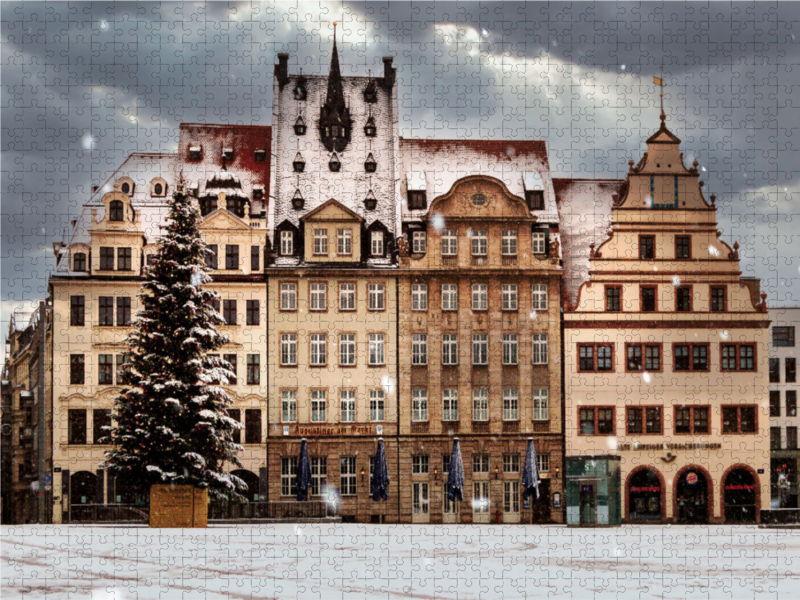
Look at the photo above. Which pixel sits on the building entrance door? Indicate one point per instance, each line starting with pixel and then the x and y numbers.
pixel 740 497
pixel 692 497
pixel 588 504
pixel 421 503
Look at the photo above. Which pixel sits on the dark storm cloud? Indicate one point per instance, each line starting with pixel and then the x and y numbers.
pixel 86 84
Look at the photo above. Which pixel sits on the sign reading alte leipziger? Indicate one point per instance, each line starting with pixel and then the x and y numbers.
pixel 701 446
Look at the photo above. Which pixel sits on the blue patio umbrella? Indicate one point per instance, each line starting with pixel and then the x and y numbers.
pixel 303 472
pixel 455 479
pixel 380 474
pixel 530 474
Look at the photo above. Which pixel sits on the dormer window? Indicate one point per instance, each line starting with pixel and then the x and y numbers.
pixel 158 189
pixel 79 262
pixel 260 155
pixel 417 200
pixel 116 210
pixel 376 243
pixel 258 192
pixel 287 243
pixel 125 188
pixel 300 126
pixel 235 206
pixel 208 205
pixel 370 202
pixel 334 164
pixel 297 200
pixel 416 185
pixel 534 190
pixel 370 130
pixel 195 152
pixel 227 153
pixel 298 163
pixel 370 165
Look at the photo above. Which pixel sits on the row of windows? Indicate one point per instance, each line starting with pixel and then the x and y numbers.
pixel 232 257
pixel 647 247
pixel 318 296
pixel 344 243
pixel 319 405
pixel 318 349
pixel 648 298
pixel 649 357
pixel 775 403
pixel 479 242
pixel 106 304
pixel 790 370
pixel 480 349
pixel 600 420
pixel 124 258
pixel 480 404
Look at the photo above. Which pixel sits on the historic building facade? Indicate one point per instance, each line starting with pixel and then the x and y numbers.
pixel 665 358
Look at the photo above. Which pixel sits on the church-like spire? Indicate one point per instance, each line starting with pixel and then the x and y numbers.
pixel 335 91
pixel 334 119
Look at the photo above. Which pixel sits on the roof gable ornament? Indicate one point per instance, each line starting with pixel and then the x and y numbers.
pixel 334 121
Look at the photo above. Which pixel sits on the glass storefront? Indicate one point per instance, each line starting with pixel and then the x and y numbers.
pixel 644 496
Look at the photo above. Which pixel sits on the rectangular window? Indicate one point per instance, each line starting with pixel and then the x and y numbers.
pixel 598 420
pixel 101 417
pixel 718 298
pixel 419 242
pixel 774 403
pixel 347 296
pixel 613 298
pixel 106 259
pixel 252 426
pixel 450 349
pixel 123 311
pixel 347 349
pixel 255 262
pixel 347 406
pixel 509 242
pixel 288 296
pixel 774 438
pixel 644 420
pixel 449 296
pixel 344 242
pixel 319 349
pixel 289 476
pixel 124 259
pixel 253 369
pixel 791 438
pixel 480 296
pixel 790 364
pixel 231 257
pixel 643 357
pixel 288 349
pixel 419 405
pixel 377 296
pixel 683 299
pixel 543 462
pixel 683 246
pixel 539 354
pixel 76 433
pixel 649 298
pixel 647 247
pixel 419 296
pixel 420 464
pixel 480 404
pixel 318 296
pixel 319 406
pixel 289 406
pixel 480 349
pixel 511 496
pixel 77 311
pixel 211 256
pixel 287 243
pixel 236 415
pixel 791 403
pixel 229 311
pixel 511 463
pixel 538 242
pixel 480 463
pixel 105 369
pixel 419 349
pixel 253 310
pixel 347 475
pixel 738 357
pixel 232 361
pixel 106 311
pixel 377 353
pixel 449 242
pixel 77 369
pixel 79 264
pixel 479 242
pixel 595 357
pixel 509 296
pixel 774 370
pixel 321 242
pixel 783 336
pixel 635 424
pixel 539 298
pixel 541 404
pixel 510 404
pixel 690 357
pixel 691 419
pixel 319 474
pixel 738 419
pixel 377 405
pixel 450 405
pixel 510 349
pixel 376 243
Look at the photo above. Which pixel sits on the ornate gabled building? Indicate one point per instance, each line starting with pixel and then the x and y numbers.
pixel 665 358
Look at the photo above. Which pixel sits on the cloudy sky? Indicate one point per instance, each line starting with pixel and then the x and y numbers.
pixel 84 84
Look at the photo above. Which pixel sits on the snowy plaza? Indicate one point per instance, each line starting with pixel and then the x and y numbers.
pixel 328 561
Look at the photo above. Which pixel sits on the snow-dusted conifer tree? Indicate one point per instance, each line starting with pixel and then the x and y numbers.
pixel 171 420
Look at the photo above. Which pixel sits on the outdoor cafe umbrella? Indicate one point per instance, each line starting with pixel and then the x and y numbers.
pixel 530 474
pixel 455 479
pixel 380 474
pixel 303 472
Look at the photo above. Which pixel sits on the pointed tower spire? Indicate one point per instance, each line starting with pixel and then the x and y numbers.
pixel 335 122
pixel 335 90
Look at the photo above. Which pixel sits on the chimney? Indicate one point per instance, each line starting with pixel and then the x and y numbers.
pixel 282 69
pixel 388 72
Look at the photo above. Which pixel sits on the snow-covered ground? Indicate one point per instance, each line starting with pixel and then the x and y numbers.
pixel 331 561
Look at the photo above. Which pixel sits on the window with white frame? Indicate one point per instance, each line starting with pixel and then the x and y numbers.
pixel 420 464
pixel 479 242
pixel 319 349
pixel 511 496
pixel 319 474
pixel 541 404
pixel 510 349
pixel 539 296
pixel 480 349
pixel 419 349
pixel 288 349
pixel 347 476
pixel 289 476
pixel 480 404
pixel 450 405
pixel 321 242
pixel 539 341
pixel 480 497
pixel 510 404
pixel 376 243
pixel 480 463
pixel 288 296
pixel 347 296
pixel 287 243
pixel 318 295
pixel 449 242
pixel 419 296
pixel 449 296
pixel 419 405
pixel 509 242
pixel 344 242
pixel 377 350
pixel 543 463
pixel 450 349
pixel 377 296
pixel 288 406
pixel 538 242
pixel 347 349
pixel 347 406
pixel 377 405
pixel 480 296
pixel 419 242
pixel 319 406
pixel 510 296
pixel 511 463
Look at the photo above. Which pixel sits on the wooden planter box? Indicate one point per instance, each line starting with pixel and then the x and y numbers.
pixel 178 506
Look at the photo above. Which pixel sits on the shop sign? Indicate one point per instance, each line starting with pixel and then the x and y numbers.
pixel 691 478
pixel 646 489
pixel 739 487
pixel 310 430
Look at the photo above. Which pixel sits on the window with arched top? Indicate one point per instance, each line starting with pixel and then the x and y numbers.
pixel 116 210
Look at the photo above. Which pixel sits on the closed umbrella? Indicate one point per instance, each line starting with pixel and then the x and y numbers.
pixel 455 479
pixel 303 472
pixel 380 474
pixel 530 474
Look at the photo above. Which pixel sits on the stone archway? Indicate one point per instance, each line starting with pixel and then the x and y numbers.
pixel 693 497
pixel 740 494
pixel 645 495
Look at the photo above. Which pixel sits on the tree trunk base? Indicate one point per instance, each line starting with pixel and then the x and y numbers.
pixel 178 506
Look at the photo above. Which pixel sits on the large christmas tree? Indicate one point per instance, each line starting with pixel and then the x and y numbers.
pixel 171 420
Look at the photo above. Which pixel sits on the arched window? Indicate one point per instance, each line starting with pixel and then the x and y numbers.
pixel 158 189
pixel 116 210
pixel 126 188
